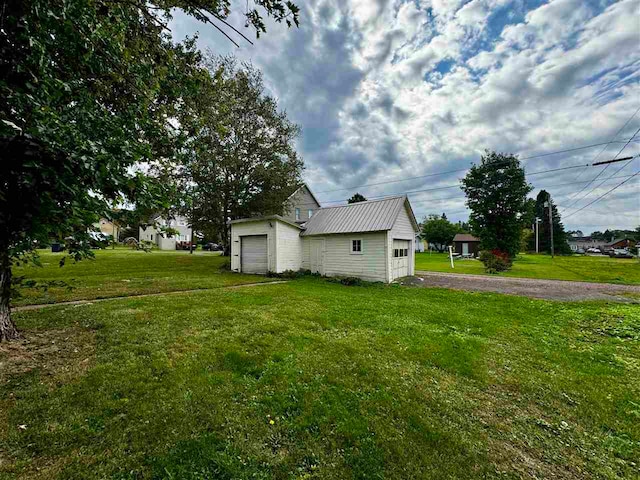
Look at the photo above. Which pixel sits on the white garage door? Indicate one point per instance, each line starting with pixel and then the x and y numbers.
pixel 401 258
pixel 253 254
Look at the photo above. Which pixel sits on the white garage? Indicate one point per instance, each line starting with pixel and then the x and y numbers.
pixel 372 240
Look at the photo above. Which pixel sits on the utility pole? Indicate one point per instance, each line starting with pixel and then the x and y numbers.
pixel 537 235
pixel 550 205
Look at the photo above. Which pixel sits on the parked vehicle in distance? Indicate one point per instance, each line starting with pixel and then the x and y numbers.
pixel 212 247
pixel 185 246
pixel 593 250
pixel 580 251
pixel 620 253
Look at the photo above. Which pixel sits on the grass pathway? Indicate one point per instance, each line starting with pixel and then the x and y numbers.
pixel 143 295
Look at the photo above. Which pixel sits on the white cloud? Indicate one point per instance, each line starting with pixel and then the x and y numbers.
pixel 389 89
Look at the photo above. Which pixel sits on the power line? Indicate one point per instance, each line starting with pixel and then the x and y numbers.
pixel 605 147
pixel 418 202
pixel 448 187
pixel 603 195
pixel 465 169
pixel 601 172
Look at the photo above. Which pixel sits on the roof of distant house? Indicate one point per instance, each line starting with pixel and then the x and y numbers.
pixel 304 185
pixel 369 216
pixel 465 237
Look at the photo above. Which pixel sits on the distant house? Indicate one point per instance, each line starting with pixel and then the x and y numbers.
pixel 108 227
pixel 584 243
pixel 151 231
pixel 465 244
pixel 620 243
pixel 302 205
pixel 420 244
pixel 372 240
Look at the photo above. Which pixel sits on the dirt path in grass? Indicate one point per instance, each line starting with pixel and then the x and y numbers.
pixel 529 287
pixel 174 292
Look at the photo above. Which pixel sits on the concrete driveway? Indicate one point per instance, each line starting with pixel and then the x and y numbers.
pixel 529 287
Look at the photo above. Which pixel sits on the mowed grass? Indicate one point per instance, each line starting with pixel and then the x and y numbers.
pixel 124 272
pixel 577 268
pixel 315 380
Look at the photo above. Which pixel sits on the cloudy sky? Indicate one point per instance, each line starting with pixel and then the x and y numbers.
pixel 386 90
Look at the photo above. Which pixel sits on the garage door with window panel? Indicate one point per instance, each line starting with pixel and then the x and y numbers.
pixel 253 254
pixel 400 261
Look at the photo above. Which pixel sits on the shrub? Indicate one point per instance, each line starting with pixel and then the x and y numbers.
pixel 495 261
pixel 289 274
pixel 351 281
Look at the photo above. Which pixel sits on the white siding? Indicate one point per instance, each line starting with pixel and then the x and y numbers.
pixel 284 244
pixel 402 230
pixel 289 247
pixel 260 227
pixel 339 261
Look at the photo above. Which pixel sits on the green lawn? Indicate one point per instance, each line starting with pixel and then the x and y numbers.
pixel 578 268
pixel 314 380
pixel 124 272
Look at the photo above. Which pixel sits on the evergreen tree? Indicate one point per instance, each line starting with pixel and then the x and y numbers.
pixel 357 198
pixel 560 237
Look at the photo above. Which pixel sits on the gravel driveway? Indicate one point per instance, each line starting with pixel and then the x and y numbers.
pixel 528 287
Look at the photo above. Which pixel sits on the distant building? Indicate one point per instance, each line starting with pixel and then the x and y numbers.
pixel 152 231
pixel 108 228
pixel 421 245
pixel 583 243
pixel 466 244
pixel 620 243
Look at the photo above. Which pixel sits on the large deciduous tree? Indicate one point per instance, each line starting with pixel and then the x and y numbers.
pixel 89 88
pixel 241 159
pixel 438 231
pixel 496 191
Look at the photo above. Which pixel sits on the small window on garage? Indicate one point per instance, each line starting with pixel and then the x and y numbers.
pixel 297 214
pixel 396 252
pixel 406 252
pixel 310 212
pixel 356 246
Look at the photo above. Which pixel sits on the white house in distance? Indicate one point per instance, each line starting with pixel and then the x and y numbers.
pixel 372 240
pixel 150 233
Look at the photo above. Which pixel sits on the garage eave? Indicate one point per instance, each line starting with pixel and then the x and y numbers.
pixel 265 218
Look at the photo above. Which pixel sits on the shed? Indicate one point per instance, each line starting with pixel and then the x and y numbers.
pixel 466 244
pixel 372 240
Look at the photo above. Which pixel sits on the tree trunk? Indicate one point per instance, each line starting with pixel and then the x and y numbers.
pixel 8 330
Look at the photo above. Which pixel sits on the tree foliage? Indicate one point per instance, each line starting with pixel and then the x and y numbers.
pixel 247 165
pixel 88 90
pixel 357 198
pixel 496 191
pixel 439 231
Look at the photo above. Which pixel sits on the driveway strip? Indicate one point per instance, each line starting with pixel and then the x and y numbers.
pixel 561 290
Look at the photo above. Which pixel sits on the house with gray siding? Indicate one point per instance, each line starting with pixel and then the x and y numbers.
pixel 373 240
pixel 301 205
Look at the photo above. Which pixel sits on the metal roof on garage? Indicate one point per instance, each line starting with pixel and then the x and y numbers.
pixel 368 216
